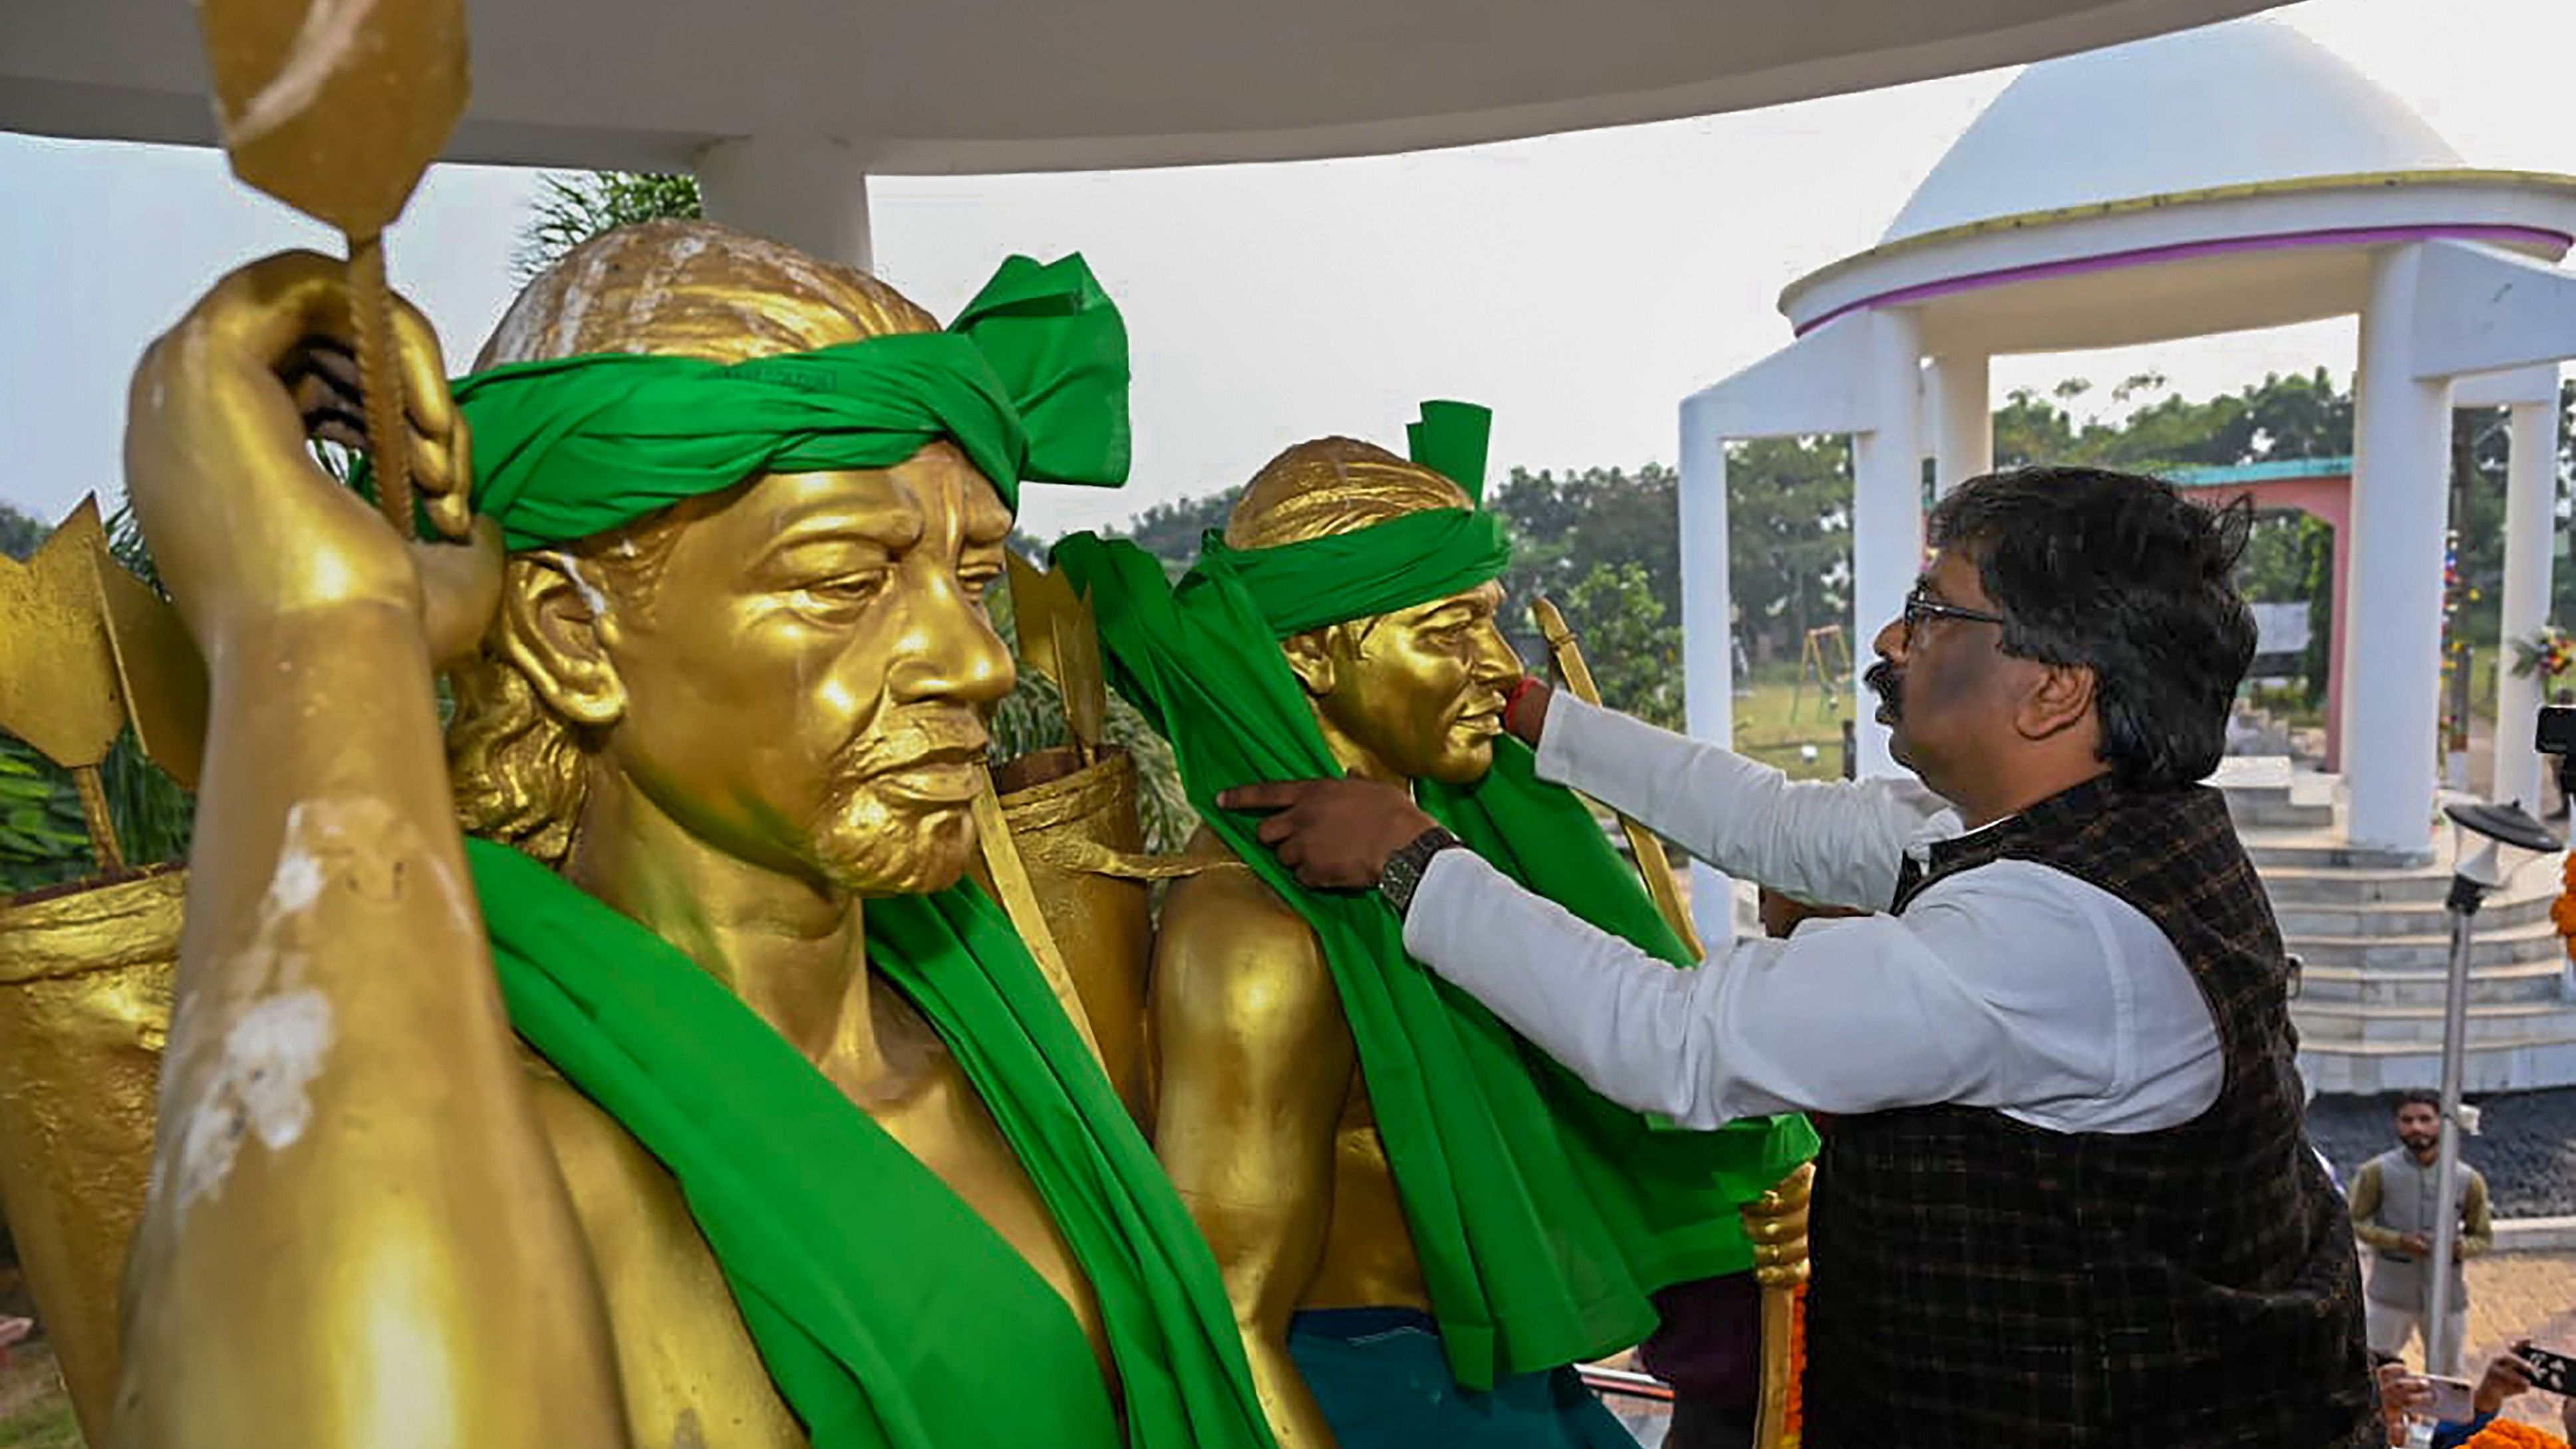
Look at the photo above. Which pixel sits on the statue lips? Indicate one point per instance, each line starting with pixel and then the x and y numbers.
pixel 928 762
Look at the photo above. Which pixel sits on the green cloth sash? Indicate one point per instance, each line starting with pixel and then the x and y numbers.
pixel 887 1311
pixel 1407 560
pixel 1030 381
pixel 1543 1214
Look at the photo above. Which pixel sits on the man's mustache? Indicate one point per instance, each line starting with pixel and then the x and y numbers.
pixel 1889 685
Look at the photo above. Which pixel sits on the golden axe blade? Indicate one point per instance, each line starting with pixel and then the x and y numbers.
pixel 86 970
pixel 1060 639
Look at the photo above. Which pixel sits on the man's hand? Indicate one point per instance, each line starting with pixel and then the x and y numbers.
pixel 2416 1243
pixel 2504 1378
pixel 1332 833
pixel 1525 709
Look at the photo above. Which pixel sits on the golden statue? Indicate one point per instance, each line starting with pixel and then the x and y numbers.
pixel 1271 1115
pixel 714 752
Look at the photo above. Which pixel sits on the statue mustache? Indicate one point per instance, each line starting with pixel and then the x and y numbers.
pixel 911 739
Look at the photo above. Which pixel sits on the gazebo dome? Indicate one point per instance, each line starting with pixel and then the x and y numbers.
pixel 2247 102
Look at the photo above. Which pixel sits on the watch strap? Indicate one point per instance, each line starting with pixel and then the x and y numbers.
pixel 1402 873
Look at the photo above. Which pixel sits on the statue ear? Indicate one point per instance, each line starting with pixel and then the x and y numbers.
pixel 556 626
pixel 1310 658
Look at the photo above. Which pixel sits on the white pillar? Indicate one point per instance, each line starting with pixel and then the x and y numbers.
pixel 810 194
pixel 1887 509
pixel 2530 528
pixel 2402 454
pixel 1708 645
pixel 1963 420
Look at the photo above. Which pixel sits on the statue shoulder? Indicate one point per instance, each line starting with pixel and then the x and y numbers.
pixel 1229 952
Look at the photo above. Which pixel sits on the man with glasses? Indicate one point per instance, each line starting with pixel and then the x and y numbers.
pixel 2066 1196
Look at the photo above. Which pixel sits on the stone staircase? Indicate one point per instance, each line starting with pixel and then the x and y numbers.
pixel 2370 927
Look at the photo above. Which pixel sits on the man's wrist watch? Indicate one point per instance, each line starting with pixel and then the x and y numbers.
pixel 1403 870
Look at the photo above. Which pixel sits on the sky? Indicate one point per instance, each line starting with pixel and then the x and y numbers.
pixel 1581 284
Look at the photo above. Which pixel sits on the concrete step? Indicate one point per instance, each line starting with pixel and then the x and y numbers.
pixel 2522 981
pixel 2421 1026
pixel 2292 885
pixel 2266 792
pixel 2322 851
pixel 2415 917
pixel 2337 1064
pixel 2531 941
pixel 2266 813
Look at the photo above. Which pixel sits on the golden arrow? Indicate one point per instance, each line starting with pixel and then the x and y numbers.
pixel 336 107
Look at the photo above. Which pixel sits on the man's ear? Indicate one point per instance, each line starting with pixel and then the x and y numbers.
pixel 2062 699
pixel 557 626
pixel 1310 658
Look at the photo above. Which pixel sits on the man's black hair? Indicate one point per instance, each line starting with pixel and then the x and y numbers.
pixel 2121 574
pixel 2417 1097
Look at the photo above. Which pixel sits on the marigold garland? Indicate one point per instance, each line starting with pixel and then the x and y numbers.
pixel 2505 1434
pixel 2562 911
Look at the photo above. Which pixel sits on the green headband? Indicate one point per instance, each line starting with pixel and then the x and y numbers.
pixel 1404 561
pixel 1030 382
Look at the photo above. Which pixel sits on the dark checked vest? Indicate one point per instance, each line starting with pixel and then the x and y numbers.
pixel 1984 1283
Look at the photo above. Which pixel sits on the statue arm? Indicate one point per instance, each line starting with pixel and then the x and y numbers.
pixel 1256 1065
pixel 356 1233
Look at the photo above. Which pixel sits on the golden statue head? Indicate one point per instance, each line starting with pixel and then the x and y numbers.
pixel 1408 695
pixel 790 671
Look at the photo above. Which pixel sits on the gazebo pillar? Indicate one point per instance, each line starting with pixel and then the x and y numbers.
pixel 810 194
pixel 1708 667
pixel 1887 506
pixel 1963 419
pixel 2402 454
pixel 2530 528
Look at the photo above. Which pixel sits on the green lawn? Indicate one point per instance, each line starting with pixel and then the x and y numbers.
pixel 1766 729
pixel 34 1411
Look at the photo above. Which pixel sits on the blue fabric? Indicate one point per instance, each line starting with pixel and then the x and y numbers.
pixel 2452 1434
pixel 1383 1382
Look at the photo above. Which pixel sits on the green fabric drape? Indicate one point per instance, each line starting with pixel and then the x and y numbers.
pixel 1450 438
pixel 1404 561
pixel 886 1310
pixel 1030 381
pixel 1543 1215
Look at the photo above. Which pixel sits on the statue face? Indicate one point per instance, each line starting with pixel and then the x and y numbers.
pixel 803 690
pixel 1419 692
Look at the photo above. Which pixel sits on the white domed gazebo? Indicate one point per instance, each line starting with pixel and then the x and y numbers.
pixel 2233 177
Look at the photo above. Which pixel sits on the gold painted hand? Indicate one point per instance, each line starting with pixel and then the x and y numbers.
pixel 246 526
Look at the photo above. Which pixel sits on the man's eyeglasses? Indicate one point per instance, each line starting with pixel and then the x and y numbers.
pixel 1920 606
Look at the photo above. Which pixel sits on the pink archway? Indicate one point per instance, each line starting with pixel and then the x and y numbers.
pixel 2322 489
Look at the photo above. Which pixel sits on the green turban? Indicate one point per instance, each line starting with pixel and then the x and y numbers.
pixel 1030 382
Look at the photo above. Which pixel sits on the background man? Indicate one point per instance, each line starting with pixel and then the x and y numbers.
pixel 2393 1211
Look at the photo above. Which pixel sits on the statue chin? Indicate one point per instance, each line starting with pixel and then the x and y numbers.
pixel 885 853
pixel 1464 759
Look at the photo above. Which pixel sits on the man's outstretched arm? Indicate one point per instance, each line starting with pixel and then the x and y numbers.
pixel 1826 842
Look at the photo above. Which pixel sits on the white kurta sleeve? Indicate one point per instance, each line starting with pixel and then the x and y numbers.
pixel 2013 987
pixel 1823 842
